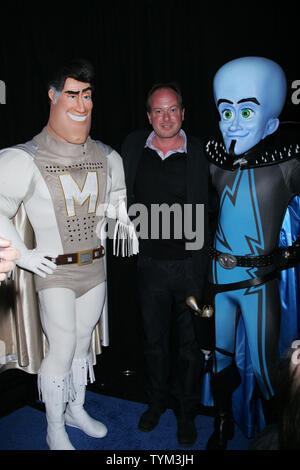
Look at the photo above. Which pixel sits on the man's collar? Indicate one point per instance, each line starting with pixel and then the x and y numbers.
pixel 182 149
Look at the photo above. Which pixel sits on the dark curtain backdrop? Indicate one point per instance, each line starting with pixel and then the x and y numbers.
pixel 132 44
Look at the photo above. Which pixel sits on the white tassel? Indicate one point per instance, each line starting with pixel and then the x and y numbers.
pixel 116 239
pixel 125 240
pixel 55 388
pixel 82 370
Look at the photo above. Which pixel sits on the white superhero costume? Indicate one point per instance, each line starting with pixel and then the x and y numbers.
pixel 67 191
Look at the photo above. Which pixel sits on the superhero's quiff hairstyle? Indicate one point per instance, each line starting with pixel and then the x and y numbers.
pixel 159 86
pixel 79 69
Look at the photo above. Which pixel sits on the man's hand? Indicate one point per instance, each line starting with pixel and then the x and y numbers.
pixel 8 256
pixel 36 262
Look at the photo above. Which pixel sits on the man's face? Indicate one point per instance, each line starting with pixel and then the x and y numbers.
pixel 166 115
pixel 70 115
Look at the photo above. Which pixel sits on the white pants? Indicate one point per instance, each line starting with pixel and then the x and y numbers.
pixel 68 323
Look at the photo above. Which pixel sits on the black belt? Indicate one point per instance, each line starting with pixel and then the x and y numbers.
pixel 228 261
pixel 211 290
pixel 280 258
pixel 256 281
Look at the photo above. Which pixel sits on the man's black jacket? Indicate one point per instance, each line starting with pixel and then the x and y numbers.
pixel 197 185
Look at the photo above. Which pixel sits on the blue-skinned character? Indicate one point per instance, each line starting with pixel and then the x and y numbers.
pixel 249 93
pixel 256 172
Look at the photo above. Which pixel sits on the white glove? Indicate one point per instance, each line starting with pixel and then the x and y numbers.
pixel 35 261
pixel 32 260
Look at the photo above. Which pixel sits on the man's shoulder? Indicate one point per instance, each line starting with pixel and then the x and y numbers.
pixel 195 141
pixel 133 144
pixel 195 147
pixel 138 135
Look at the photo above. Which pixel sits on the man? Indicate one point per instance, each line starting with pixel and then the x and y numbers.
pixel 66 181
pixel 8 256
pixel 256 173
pixel 165 168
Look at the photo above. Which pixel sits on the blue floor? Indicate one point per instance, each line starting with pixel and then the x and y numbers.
pixel 25 429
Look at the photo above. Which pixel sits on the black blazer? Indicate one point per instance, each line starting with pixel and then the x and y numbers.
pixel 197 175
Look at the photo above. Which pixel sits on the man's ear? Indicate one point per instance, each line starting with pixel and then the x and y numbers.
pixel 149 117
pixel 271 127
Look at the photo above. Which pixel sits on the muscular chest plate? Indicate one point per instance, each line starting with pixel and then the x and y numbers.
pixel 76 188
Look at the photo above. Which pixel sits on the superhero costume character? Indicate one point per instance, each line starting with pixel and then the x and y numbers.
pixel 67 183
pixel 256 174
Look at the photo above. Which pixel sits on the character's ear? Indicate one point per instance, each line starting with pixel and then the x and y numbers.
pixel 271 127
pixel 51 95
pixel 182 113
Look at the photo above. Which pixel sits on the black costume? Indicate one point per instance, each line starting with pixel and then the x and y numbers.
pixel 255 189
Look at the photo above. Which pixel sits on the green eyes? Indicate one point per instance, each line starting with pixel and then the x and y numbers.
pixel 246 113
pixel 227 114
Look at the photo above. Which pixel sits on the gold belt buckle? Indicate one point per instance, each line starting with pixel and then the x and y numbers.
pixel 84 257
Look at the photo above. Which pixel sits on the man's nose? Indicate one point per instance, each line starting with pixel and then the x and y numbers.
pixel 166 116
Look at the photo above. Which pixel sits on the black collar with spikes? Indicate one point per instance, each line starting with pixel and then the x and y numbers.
pixel 279 147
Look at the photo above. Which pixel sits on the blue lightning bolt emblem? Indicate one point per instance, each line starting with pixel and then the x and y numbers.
pixel 239 228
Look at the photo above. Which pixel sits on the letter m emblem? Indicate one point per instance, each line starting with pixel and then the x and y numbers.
pixel 73 193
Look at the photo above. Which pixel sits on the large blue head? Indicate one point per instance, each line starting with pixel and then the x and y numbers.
pixel 249 93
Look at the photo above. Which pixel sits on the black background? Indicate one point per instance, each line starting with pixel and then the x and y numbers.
pixel 133 44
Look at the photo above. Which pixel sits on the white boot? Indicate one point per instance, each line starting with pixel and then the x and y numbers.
pixel 54 392
pixel 75 415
